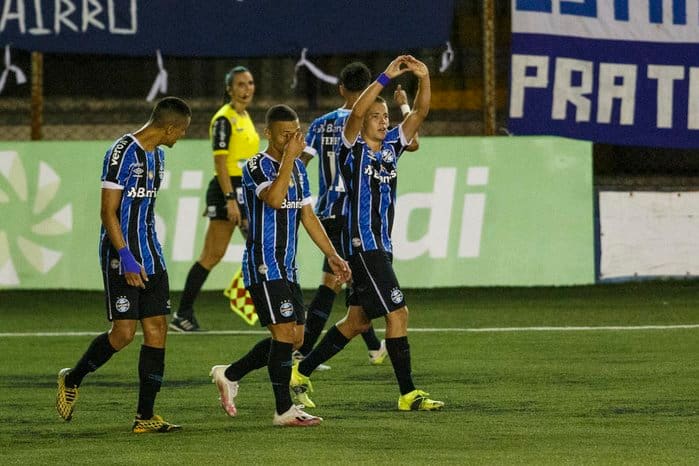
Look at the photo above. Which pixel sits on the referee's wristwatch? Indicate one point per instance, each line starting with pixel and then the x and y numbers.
pixel 230 196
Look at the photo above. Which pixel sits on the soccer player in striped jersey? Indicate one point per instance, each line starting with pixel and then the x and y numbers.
pixel 368 156
pixel 322 138
pixel 277 200
pixel 133 268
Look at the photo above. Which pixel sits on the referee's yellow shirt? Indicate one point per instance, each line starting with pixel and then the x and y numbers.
pixel 234 136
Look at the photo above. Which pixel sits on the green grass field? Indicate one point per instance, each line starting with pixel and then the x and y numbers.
pixel 535 396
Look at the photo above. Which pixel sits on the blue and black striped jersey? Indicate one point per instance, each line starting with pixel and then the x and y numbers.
pixel 371 179
pixel 322 139
pixel 270 250
pixel 128 167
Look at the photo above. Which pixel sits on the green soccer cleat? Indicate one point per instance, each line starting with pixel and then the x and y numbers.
pixel 66 396
pixel 417 401
pixel 301 386
pixel 154 424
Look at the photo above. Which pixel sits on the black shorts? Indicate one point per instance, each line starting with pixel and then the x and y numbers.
pixel 126 302
pixel 216 201
pixel 335 227
pixel 278 301
pixel 374 284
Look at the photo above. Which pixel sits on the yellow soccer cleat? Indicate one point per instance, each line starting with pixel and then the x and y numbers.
pixel 301 386
pixel 154 424
pixel 377 357
pixel 417 401
pixel 66 396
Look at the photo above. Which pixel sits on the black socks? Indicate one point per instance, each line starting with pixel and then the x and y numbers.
pixel 279 368
pixel 318 313
pixel 331 344
pixel 399 352
pixel 96 355
pixel 151 366
pixel 256 358
pixel 195 280
pixel 370 339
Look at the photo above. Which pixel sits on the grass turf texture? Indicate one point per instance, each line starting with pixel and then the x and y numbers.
pixel 580 397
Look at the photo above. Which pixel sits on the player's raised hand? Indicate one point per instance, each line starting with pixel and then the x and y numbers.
pixel 418 68
pixel 397 66
pixel 295 145
pixel 400 96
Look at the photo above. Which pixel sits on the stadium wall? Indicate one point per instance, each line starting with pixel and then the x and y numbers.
pixel 472 211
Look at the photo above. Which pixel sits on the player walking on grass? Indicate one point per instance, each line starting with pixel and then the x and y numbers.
pixel 368 158
pixel 277 199
pixel 133 268
pixel 322 138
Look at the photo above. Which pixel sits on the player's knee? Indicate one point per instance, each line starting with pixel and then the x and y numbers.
pixel 353 325
pixel 155 332
pixel 120 338
pixel 209 259
pixel 397 322
pixel 285 332
pixel 362 327
pixel 400 314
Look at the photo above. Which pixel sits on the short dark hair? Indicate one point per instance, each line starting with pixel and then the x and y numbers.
pixel 232 72
pixel 355 77
pixel 169 109
pixel 280 112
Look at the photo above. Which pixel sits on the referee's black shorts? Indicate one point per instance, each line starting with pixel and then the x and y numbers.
pixel 374 284
pixel 216 200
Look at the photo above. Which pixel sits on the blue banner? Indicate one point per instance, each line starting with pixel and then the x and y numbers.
pixel 230 28
pixel 616 72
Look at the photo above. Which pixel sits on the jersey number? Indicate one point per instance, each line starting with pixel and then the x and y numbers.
pixel 338 184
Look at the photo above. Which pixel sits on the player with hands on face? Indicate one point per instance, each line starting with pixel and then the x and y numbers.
pixel 277 201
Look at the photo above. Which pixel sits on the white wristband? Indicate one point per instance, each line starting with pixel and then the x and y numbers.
pixel 405 109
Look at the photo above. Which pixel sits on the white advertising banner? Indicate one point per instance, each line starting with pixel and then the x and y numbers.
pixel 648 234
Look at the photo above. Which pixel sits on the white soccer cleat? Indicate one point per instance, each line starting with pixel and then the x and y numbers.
pixel 227 389
pixel 296 417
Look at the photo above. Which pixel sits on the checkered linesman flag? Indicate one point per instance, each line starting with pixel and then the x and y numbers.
pixel 240 300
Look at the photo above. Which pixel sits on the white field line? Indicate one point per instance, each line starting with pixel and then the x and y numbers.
pixel 412 330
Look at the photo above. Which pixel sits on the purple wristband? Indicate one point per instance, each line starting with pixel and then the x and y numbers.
pixel 383 79
pixel 128 262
